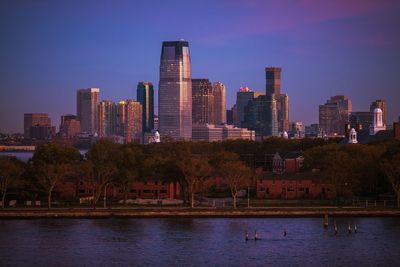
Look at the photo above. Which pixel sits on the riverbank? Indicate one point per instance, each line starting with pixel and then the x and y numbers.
pixel 195 213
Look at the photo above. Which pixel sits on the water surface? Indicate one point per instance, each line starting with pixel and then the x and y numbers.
pixel 198 242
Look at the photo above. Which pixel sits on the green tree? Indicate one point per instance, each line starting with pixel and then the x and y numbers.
pixel 102 162
pixel 237 175
pixel 52 162
pixel 10 173
pixel 129 164
pixel 390 165
pixel 195 169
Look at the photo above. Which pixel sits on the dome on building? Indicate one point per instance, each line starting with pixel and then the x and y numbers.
pixel 378 110
pixel 285 135
pixel 353 136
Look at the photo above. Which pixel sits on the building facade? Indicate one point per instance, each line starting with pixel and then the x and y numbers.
pixel 261 116
pixel 219 92
pixel 202 101
pixel 334 114
pixel 35 120
pixel 107 118
pixel 70 126
pixel 133 121
pixel 87 109
pixel 175 91
pixel 145 95
pixel 273 87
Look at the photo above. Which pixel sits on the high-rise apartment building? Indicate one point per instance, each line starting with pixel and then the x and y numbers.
pixel 120 120
pixel 382 105
pixel 107 118
pixel 273 86
pixel 175 91
pixel 35 123
pixel 133 121
pixel 202 101
pixel 145 95
pixel 87 109
pixel 334 114
pixel 219 92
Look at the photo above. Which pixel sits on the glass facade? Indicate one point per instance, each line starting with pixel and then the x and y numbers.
pixel 175 91
pixel 145 95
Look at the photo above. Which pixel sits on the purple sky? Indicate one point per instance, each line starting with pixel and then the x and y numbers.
pixel 49 49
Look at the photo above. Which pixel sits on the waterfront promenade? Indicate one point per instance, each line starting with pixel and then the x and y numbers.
pixel 165 212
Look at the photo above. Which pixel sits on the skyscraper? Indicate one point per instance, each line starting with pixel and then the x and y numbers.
pixel 219 92
pixel 261 116
pixel 107 118
pixel 273 86
pixel 145 95
pixel 334 114
pixel 242 99
pixel 282 107
pixel 382 105
pixel 87 109
pixel 175 91
pixel 202 101
pixel 273 80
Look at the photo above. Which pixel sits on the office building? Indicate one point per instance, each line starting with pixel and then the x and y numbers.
pixel 175 91
pixel 261 116
pixel 219 92
pixel 243 96
pixel 202 101
pixel 334 114
pixel 87 109
pixel 145 96
pixel 35 120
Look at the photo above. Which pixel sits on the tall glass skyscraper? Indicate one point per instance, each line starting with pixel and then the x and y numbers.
pixel 175 91
pixel 145 95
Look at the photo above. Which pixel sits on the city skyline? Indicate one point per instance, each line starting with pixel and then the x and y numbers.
pixel 325 49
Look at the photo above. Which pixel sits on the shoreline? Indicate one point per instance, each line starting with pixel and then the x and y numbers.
pixel 98 213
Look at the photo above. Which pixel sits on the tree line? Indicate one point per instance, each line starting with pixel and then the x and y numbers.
pixel 353 169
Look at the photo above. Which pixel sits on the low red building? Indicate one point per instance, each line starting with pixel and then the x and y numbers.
pixel 292 186
pixel 147 190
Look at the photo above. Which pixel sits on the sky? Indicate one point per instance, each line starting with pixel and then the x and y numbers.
pixel 49 49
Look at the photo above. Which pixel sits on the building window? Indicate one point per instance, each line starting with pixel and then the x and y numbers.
pixel 146 191
pixel 133 190
pixel 267 190
pixel 163 191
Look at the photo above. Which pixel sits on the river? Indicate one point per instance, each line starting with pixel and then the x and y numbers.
pixel 198 242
